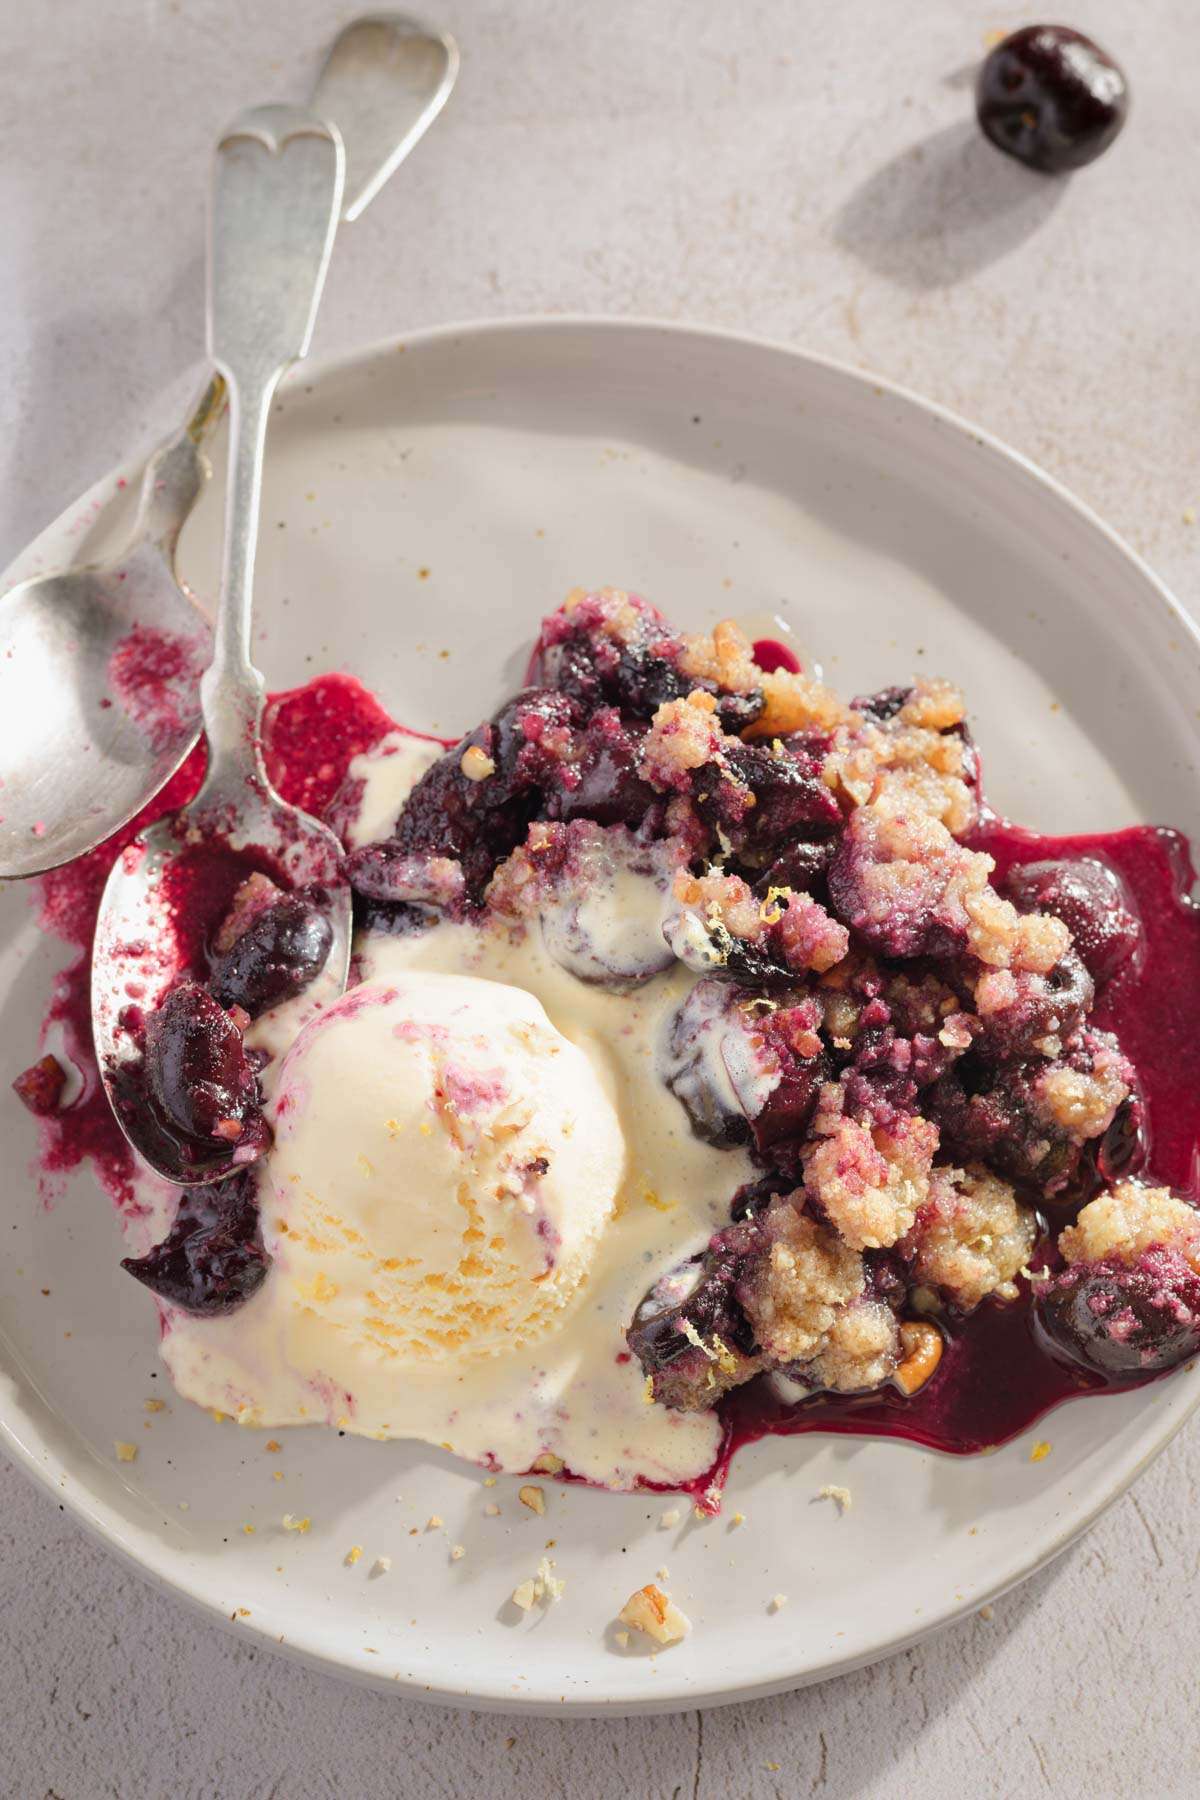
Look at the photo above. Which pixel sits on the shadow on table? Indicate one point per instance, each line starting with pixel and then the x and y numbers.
pixel 943 209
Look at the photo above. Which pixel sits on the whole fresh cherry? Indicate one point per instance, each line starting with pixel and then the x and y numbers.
pixel 1051 97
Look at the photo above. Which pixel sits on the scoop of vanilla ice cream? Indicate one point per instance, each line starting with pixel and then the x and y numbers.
pixel 445 1163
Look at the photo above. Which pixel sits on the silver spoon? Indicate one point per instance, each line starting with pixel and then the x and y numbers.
pixel 99 665
pixel 276 194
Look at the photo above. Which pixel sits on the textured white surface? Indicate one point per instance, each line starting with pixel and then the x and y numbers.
pixel 809 172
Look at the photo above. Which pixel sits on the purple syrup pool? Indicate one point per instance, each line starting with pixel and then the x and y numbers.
pixel 997 1377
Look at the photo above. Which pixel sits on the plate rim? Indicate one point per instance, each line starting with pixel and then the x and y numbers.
pixel 109 1526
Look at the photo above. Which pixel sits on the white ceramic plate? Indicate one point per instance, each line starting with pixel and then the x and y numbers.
pixel 425 502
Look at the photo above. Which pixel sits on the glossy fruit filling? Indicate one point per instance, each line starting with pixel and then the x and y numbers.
pixel 963 1082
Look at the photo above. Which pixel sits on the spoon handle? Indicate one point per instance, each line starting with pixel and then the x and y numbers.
pixel 276 195
pixel 384 81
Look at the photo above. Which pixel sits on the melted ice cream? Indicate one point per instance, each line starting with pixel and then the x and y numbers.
pixel 561 1380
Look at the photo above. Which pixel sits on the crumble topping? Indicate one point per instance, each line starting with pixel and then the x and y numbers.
pixel 971 1238
pixel 1128 1220
pixel 868 1179
pixel 794 1294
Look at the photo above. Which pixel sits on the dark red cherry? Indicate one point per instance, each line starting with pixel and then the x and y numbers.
pixel 1051 97
pixel 197 1069
pixel 1124 1321
pixel 281 950
pixel 1091 901
pixel 212 1259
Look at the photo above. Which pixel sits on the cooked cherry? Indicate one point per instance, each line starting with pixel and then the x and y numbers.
pixel 282 949
pixel 884 705
pixel 1051 97
pixel 695 1300
pixel 198 1072
pixel 1091 901
pixel 212 1259
pixel 607 786
pixel 531 744
pixel 762 800
pixel 802 867
pixel 1124 1320
pixel 636 669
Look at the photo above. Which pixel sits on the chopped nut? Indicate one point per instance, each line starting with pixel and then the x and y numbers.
pixel 987 1614
pixel 622 1638
pixel 491 1510
pixel 552 1585
pixel 125 1452
pixel 922 1345
pixel 353 1555
pixel 651 1611
pixel 532 1497
pixel 433 1523
pixel 840 1496
pixel 380 1566
pixel 476 764
pixel 778 1602
pixel 274 1446
pixel 542 1588
pixel 548 1464
pixel 669 1519
pixel 458 1552
pixel 155 1406
pixel 292 1523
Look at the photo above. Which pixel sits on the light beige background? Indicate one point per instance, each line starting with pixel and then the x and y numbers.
pixel 801 169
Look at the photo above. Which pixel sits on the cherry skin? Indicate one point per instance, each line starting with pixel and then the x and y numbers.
pixel 1051 97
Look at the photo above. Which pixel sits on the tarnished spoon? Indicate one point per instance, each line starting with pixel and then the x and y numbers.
pixel 98 665
pixel 276 194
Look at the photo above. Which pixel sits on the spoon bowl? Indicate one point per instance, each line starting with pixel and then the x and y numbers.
pixel 165 898
pixel 99 700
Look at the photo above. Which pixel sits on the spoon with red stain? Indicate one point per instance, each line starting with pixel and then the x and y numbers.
pixel 99 664
pixel 172 1058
